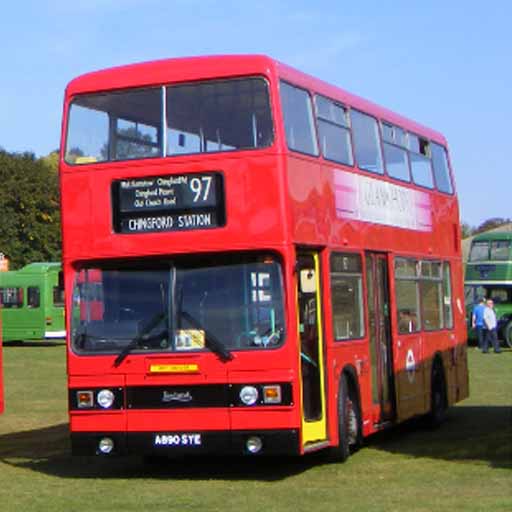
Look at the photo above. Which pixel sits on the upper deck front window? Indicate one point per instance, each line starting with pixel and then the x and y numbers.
pixel 479 251
pixel 115 126
pixel 202 117
pixel 218 116
pixel 500 250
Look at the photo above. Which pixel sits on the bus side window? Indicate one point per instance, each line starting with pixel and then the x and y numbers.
pixel 407 295
pixel 406 321
pixel 33 297
pixel 421 165
pixel 441 169
pixel 12 297
pixel 367 147
pixel 347 296
pixel 298 119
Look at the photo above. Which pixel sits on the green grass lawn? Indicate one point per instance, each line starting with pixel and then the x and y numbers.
pixel 465 465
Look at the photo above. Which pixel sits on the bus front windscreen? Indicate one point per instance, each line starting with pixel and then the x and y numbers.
pixel 201 117
pixel 181 306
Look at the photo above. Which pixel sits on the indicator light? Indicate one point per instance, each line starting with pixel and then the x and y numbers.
pixel 272 394
pixel 84 399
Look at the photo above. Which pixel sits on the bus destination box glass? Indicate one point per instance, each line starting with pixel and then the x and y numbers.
pixel 168 203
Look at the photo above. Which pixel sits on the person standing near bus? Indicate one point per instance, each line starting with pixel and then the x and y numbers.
pixel 477 321
pixel 490 328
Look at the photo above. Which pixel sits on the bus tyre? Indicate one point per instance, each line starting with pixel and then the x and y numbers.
pixel 438 397
pixel 349 422
pixel 507 334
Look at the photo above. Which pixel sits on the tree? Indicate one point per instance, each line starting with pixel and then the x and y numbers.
pixel 466 230
pixel 492 223
pixel 130 143
pixel 29 195
pixel 52 160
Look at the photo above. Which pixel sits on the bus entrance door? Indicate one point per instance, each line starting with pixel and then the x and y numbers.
pixel 311 350
pixel 380 336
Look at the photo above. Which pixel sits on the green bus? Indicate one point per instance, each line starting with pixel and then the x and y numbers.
pixel 489 275
pixel 32 303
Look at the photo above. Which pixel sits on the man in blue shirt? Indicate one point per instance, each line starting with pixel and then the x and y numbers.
pixel 477 321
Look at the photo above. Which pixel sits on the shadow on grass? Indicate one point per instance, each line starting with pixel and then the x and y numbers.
pixel 48 451
pixel 470 434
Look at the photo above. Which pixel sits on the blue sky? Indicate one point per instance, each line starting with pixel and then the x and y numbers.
pixel 446 64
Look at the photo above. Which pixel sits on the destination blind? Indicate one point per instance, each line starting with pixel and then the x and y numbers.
pixel 168 203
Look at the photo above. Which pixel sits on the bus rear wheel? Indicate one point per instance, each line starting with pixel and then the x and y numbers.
pixel 349 422
pixel 507 334
pixel 438 397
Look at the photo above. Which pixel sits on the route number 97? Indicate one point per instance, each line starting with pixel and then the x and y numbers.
pixel 200 187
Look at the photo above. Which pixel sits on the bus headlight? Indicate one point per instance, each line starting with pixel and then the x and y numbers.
pixel 105 398
pixel 249 395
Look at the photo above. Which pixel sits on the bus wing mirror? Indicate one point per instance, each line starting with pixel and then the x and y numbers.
pixel 307 281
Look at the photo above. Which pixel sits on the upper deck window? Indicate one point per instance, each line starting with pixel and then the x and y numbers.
pixel 298 119
pixel 479 251
pixel 218 116
pixel 114 126
pixel 201 117
pixel 395 155
pixel 500 250
pixel 367 142
pixel 421 167
pixel 334 131
pixel 441 169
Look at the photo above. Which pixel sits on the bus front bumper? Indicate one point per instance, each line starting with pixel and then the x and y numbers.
pixel 250 442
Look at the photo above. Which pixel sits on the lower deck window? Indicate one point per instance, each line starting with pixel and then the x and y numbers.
pixel 431 296
pixel 423 295
pixel 33 297
pixel 11 297
pixel 407 306
pixel 347 297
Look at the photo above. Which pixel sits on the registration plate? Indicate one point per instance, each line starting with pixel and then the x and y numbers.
pixel 176 439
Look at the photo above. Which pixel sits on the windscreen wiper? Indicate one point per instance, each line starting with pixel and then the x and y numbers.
pixel 212 341
pixel 142 337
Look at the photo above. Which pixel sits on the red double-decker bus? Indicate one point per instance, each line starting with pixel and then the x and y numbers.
pixel 256 262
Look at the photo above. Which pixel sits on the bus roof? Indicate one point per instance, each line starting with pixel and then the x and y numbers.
pixel 39 267
pixel 186 69
pixel 495 235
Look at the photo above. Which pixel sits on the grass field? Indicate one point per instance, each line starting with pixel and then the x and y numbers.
pixel 466 465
